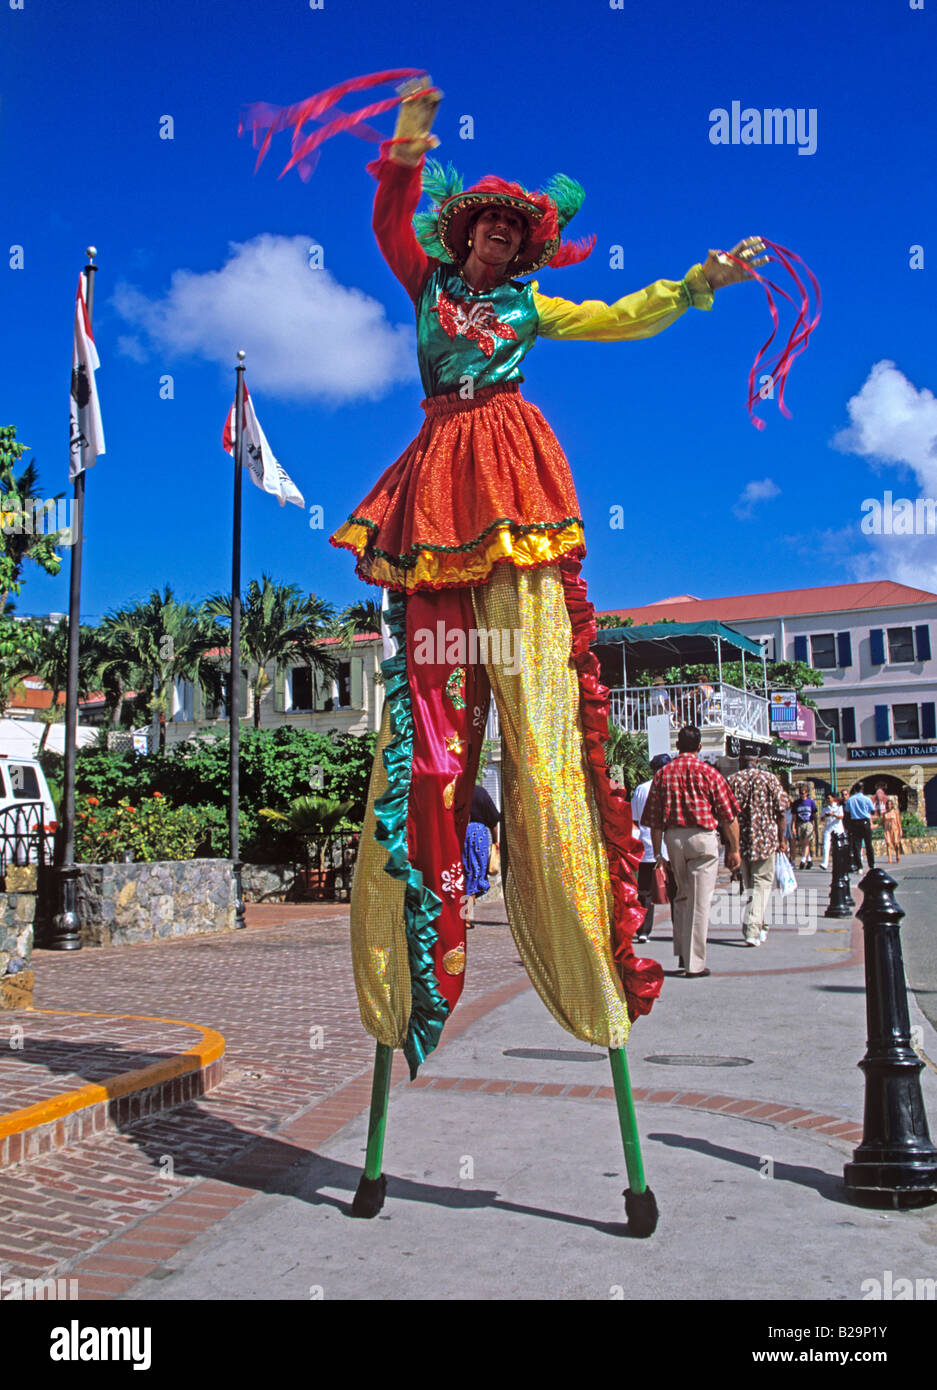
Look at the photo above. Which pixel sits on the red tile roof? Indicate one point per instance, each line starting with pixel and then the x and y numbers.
pixel 786 603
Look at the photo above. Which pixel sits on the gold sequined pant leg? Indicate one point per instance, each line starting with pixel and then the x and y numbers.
pixel 557 890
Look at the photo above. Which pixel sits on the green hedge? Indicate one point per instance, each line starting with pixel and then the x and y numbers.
pixel 276 766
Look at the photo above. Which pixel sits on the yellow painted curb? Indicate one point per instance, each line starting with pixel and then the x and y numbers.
pixel 124 1083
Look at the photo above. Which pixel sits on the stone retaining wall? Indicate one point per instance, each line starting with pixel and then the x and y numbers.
pixel 17 915
pixel 120 903
pixel 268 883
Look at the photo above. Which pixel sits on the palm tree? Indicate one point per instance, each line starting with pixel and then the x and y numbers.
pixel 45 654
pixel 165 641
pixel 18 541
pixel 111 656
pixel 358 617
pixel 313 818
pixel 278 624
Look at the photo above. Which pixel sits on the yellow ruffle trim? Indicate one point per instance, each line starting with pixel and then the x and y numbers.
pixel 437 569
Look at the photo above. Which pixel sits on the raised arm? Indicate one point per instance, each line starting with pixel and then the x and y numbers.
pixel 399 184
pixel 398 193
pixel 638 315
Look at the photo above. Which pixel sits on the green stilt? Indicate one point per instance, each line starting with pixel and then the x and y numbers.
pixel 369 1197
pixel 640 1202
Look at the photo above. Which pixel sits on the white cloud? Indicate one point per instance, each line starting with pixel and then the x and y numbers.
pixel 753 493
pixel 129 346
pixel 306 336
pixel 894 422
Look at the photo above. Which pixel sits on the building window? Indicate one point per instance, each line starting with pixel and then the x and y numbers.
pixel 828 722
pixel 900 644
pixel 823 651
pixel 301 688
pixel 905 720
pixel 185 696
pixel 344 685
pixel 24 782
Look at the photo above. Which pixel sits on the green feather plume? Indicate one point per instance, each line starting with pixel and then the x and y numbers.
pixel 568 196
pixel 426 229
pixel 440 183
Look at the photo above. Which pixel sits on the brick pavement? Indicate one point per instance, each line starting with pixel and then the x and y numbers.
pixel 282 997
pixel 112 1209
pixel 42 1055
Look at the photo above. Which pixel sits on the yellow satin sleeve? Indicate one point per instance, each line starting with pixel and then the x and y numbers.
pixel 638 315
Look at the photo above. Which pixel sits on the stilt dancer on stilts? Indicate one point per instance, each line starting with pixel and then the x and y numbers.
pixel 476 536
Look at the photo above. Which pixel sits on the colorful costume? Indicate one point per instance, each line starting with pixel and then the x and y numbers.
pixel 476 533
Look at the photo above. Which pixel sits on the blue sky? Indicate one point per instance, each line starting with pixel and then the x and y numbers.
pixel 620 98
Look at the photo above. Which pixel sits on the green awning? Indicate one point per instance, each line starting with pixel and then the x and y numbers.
pixel 655 646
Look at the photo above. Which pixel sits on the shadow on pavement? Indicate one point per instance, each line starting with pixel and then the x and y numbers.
pixel 318 1173
pixel 824 1184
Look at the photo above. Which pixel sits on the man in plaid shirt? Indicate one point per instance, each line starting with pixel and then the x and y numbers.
pixel 687 801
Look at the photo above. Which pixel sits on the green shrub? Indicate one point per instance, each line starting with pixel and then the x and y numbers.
pixel 150 829
pixel 276 767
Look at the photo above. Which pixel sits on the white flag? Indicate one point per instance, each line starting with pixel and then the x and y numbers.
pixel 258 457
pixel 86 430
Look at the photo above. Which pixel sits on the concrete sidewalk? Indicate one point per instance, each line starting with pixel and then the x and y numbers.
pixel 505 1165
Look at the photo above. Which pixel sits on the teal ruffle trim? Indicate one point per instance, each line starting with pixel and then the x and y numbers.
pixel 428 1009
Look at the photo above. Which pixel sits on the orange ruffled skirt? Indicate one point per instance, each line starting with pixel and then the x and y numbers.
pixel 485 481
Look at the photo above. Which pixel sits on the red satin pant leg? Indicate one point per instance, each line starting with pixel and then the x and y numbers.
pixel 449 718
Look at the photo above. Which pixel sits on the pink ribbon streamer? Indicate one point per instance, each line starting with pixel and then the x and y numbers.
pixel 780 365
pixel 261 116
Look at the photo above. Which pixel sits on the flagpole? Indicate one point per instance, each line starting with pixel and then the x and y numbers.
pixel 66 927
pixel 234 678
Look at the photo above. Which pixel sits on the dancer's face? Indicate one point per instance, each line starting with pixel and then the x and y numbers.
pixel 498 235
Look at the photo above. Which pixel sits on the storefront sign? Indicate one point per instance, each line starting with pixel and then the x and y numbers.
pixel 785 757
pixel 783 709
pixel 892 750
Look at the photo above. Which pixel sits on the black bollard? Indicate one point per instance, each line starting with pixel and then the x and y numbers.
pixel 841 902
pixel 896 1163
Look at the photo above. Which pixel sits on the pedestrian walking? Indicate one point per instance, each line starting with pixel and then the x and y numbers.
pixel 762 802
pixel 481 838
pixel 891 823
pixel 860 810
pixel 804 812
pixel 648 865
pixel 687 801
pixel 832 820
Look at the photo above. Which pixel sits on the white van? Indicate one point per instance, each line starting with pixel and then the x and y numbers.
pixel 22 779
pixel 27 813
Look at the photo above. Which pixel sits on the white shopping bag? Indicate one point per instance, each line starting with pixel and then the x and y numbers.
pixel 784 880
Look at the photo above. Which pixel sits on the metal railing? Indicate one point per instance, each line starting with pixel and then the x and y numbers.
pixel 24 838
pixel 717 706
pixel 339 854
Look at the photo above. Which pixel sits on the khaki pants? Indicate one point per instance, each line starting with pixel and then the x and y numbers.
pixel 694 858
pixel 757 878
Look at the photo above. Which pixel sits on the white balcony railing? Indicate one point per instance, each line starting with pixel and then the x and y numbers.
pixel 723 707
pixel 717 706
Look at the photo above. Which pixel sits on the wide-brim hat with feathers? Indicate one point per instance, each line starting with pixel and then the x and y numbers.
pixel 443 232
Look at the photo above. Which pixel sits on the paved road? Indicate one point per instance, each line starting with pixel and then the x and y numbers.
pixel 916 877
